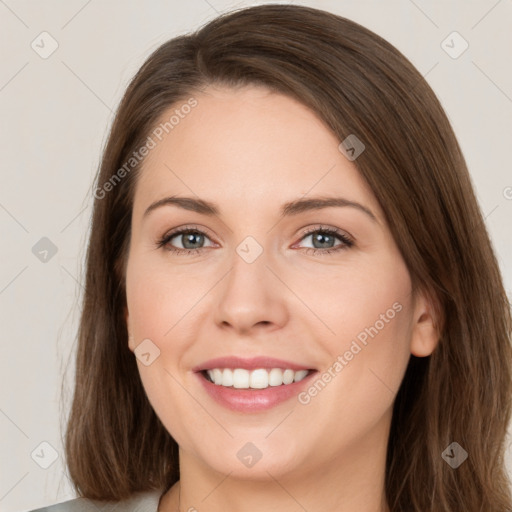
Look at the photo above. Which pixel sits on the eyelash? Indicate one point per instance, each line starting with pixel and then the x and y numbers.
pixel 347 241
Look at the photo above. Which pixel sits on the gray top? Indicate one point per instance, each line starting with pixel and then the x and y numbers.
pixel 141 502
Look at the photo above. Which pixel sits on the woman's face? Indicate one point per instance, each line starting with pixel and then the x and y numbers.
pixel 259 278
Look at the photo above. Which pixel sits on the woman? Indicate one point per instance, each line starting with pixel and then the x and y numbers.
pixel 224 362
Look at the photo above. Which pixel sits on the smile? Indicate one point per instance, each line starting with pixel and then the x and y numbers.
pixel 260 378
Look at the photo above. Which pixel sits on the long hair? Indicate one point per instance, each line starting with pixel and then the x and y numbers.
pixel 357 83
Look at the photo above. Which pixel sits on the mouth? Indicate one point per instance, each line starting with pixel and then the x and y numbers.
pixel 252 385
pixel 260 378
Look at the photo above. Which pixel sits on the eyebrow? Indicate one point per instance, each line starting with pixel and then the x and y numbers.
pixel 288 209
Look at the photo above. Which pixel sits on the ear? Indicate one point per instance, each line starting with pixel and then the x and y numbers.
pixel 425 332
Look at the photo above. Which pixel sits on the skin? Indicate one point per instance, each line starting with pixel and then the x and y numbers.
pixel 250 150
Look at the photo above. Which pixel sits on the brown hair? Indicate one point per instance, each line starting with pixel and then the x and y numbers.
pixel 358 84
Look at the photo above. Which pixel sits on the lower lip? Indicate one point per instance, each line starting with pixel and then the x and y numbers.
pixel 253 400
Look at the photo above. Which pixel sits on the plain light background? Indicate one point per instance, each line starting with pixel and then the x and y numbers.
pixel 56 112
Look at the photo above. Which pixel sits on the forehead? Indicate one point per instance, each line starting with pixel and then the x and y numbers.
pixel 247 148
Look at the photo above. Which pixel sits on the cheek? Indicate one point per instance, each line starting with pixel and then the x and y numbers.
pixel 368 312
pixel 158 303
pixel 158 299
pixel 171 402
pixel 364 302
pixel 367 360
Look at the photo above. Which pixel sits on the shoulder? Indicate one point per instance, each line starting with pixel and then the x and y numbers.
pixel 140 502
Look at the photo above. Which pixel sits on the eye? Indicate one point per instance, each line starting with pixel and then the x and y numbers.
pixel 324 238
pixel 189 237
pixel 192 239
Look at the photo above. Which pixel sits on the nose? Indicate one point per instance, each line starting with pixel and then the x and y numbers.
pixel 252 296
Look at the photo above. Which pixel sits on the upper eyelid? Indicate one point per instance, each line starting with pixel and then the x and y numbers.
pixel 180 231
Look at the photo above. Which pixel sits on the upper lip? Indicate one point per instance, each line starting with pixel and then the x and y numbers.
pixel 252 363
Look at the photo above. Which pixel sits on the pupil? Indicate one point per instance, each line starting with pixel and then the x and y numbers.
pixel 321 238
pixel 190 238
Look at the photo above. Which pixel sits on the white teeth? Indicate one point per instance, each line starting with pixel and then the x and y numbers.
pixel 275 377
pixel 258 379
pixel 240 378
pixel 300 375
pixel 261 378
pixel 227 377
pixel 217 376
pixel 288 376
